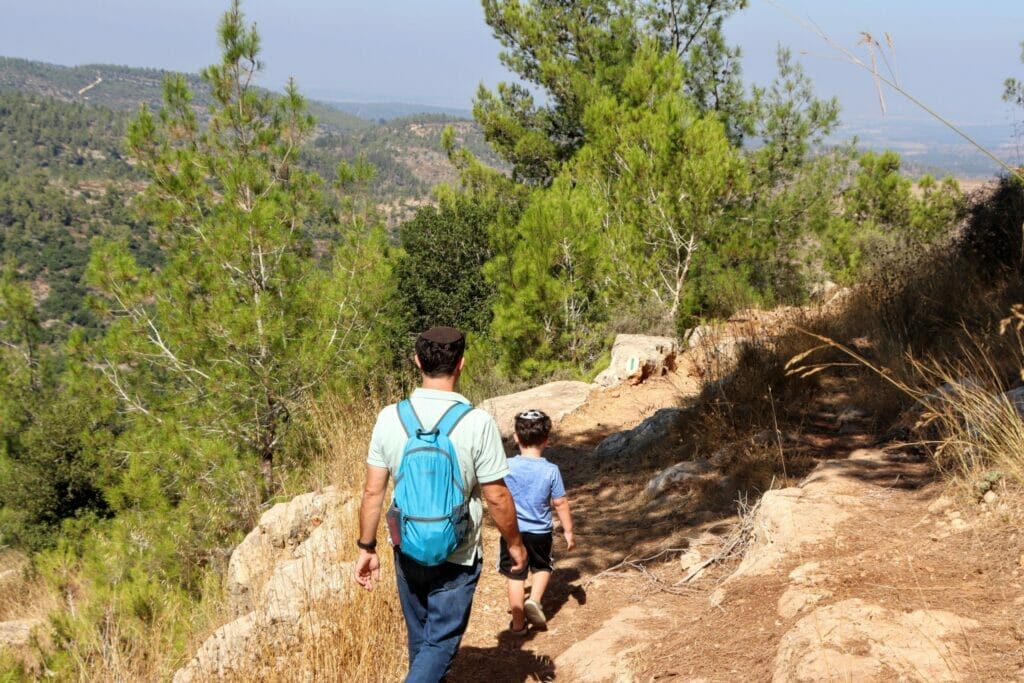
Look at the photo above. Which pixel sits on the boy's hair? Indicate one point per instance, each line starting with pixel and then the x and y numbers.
pixel 440 349
pixel 532 427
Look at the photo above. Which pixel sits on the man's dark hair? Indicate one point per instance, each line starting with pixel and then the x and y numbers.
pixel 440 349
pixel 532 427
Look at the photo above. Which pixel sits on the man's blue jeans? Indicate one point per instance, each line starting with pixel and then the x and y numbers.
pixel 436 603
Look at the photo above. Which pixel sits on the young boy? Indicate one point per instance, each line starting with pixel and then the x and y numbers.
pixel 536 486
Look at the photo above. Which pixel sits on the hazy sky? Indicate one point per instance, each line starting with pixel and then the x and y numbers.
pixel 954 55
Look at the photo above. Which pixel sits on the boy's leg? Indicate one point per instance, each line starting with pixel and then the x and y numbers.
pixel 541 564
pixel 516 598
pixel 516 585
pixel 540 584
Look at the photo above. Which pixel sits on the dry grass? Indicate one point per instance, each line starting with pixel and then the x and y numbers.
pixel 23 596
pixel 357 636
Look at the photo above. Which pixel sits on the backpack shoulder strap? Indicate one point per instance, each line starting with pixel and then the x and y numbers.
pixel 410 420
pixel 452 417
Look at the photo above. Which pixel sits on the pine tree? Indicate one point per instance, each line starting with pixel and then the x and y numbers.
pixel 216 352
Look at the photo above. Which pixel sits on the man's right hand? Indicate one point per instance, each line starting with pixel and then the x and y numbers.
pixel 518 554
pixel 366 571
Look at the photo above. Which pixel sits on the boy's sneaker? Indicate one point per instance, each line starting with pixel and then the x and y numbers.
pixel 520 633
pixel 535 614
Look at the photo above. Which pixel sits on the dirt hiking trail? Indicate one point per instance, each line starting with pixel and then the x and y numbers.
pixel 865 571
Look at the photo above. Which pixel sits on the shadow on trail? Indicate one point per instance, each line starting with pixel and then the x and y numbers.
pixel 563 586
pixel 506 661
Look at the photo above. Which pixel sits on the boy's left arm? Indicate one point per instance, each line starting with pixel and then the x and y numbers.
pixel 561 506
pixel 560 502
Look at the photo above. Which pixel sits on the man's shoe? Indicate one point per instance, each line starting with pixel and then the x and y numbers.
pixel 535 614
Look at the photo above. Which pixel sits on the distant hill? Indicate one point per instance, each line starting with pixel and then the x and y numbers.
pixel 930 147
pixel 65 178
pixel 388 111
pixel 123 88
pixel 405 149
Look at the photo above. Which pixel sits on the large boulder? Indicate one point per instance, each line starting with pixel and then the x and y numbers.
pixel 283 580
pixel 659 430
pixel 635 357
pixel 789 519
pixel 557 399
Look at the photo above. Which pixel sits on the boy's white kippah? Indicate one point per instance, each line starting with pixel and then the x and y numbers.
pixel 531 415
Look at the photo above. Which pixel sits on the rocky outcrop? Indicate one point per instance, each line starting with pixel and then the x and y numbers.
pixel 557 399
pixel 17 633
pixel 856 641
pixel 635 357
pixel 663 429
pixel 790 518
pixel 281 535
pixel 280 578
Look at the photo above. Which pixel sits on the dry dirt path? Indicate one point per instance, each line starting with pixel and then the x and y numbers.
pixel 863 573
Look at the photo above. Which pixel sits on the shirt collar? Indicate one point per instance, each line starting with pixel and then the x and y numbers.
pixel 438 395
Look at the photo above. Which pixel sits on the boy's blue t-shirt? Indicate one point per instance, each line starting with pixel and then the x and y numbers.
pixel 533 482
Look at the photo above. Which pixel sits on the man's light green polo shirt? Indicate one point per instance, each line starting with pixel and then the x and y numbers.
pixel 477 442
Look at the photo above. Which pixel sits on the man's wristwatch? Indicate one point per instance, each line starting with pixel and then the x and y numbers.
pixel 369 547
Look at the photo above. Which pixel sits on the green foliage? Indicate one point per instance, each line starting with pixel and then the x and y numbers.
pixel 577 51
pixel 440 276
pixel 551 304
pixel 54 431
pixel 1013 88
pixel 63 181
pixel 692 30
pixel 242 322
pixel 882 213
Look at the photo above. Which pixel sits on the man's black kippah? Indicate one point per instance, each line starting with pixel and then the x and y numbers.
pixel 443 335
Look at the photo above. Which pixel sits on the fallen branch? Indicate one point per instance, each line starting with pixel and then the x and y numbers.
pixel 641 566
pixel 735 545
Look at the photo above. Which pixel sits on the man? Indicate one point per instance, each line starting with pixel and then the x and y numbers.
pixel 436 601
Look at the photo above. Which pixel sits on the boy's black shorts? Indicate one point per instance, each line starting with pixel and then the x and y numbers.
pixel 538 556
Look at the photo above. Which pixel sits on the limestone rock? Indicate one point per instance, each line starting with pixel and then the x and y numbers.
pixel 659 429
pixel 281 578
pixel 557 399
pixel 798 599
pixel 696 336
pixel 17 633
pixel 688 470
pixel 855 641
pixel 281 530
pixel 635 357
pixel 940 505
pixel 225 652
pixel 789 518
pixel 1016 397
pixel 605 654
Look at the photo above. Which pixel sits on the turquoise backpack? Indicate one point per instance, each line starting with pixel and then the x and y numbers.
pixel 430 505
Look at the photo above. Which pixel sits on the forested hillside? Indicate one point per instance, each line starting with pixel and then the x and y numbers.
pixel 201 295
pixel 65 177
pixel 405 150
